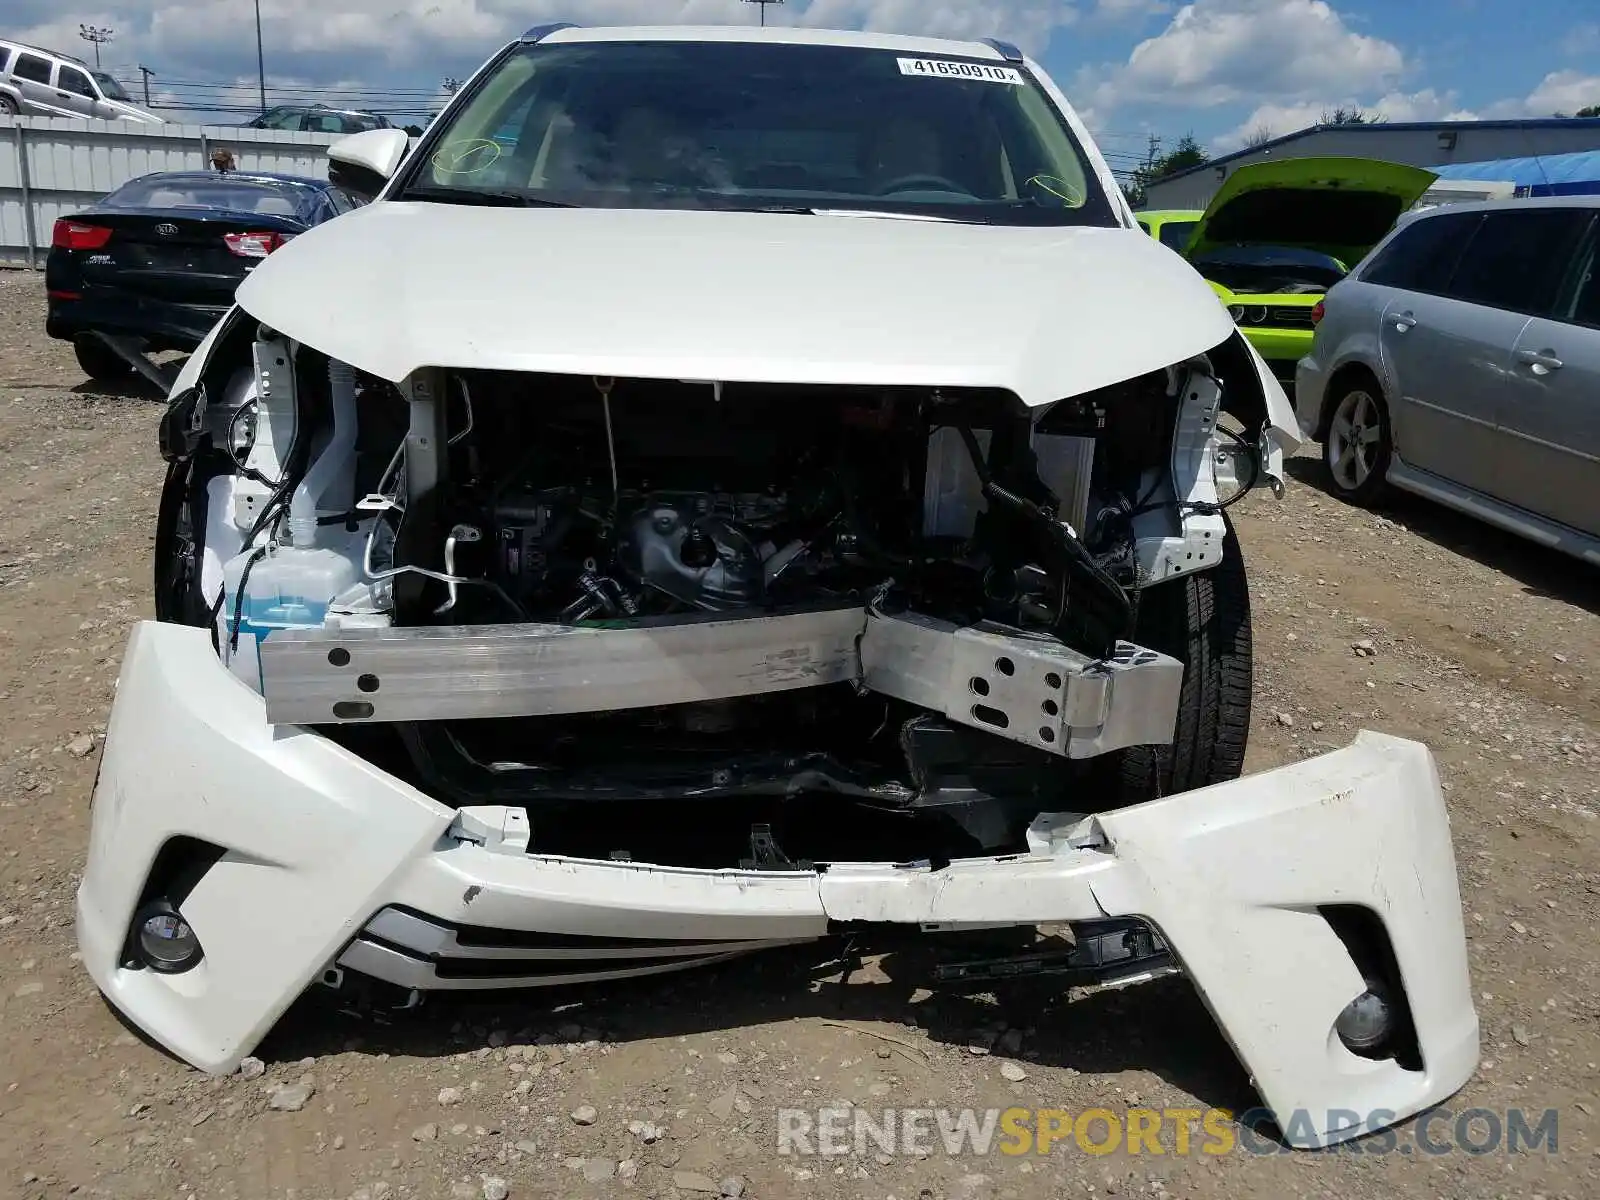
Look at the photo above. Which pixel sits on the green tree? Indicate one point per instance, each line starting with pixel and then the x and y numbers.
pixel 1592 111
pixel 1350 116
pixel 1186 154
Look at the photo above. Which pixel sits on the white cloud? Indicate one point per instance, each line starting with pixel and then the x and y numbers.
pixel 405 30
pixel 1028 23
pixel 1127 12
pixel 410 44
pixel 1225 51
pixel 1558 92
pixel 1279 119
pixel 1563 92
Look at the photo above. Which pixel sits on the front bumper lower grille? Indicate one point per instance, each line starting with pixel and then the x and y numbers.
pixel 412 951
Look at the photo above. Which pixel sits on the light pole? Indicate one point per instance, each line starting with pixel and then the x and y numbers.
pixel 99 36
pixel 261 63
pixel 763 4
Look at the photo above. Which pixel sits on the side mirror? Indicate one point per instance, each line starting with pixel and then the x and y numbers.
pixel 363 162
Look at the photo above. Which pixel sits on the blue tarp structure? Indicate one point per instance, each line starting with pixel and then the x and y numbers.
pixel 1540 175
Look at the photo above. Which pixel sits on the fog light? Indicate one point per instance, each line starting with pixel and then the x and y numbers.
pixel 1367 1021
pixel 164 940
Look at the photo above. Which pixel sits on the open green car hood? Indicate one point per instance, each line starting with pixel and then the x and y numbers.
pixel 1336 206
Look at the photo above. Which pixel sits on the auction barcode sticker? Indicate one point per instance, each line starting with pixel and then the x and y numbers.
pixel 940 68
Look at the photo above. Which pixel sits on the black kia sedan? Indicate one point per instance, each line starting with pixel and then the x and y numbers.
pixel 153 265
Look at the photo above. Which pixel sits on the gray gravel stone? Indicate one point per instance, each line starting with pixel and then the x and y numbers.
pixel 291 1097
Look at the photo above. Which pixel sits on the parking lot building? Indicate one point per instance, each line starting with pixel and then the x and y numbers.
pixel 1416 143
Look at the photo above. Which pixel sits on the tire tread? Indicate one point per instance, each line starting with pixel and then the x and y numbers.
pixel 1203 620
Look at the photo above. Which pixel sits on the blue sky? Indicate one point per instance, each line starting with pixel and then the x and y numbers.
pixel 1221 69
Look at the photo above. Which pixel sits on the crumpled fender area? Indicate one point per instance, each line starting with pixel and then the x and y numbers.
pixel 1255 397
pixel 309 842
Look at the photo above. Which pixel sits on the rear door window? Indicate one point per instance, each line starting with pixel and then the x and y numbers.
pixel 75 81
pixel 283 118
pixel 1423 255
pixel 1584 308
pixel 32 68
pixel 1516 260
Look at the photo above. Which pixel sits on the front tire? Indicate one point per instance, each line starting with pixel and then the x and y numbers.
pixel 1359 443
pixel 99 361
pixel 8 106
pixel 1202 620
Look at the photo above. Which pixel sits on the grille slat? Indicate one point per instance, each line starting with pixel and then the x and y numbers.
pixel 413 951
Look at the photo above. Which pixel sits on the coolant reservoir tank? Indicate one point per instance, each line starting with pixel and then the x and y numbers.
pixel 288 588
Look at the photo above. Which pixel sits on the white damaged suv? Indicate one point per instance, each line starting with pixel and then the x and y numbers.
pixel 716 497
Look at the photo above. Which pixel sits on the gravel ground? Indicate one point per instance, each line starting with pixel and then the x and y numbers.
pixel 1414 622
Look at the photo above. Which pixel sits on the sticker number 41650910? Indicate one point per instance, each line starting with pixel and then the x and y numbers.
pixel 939 68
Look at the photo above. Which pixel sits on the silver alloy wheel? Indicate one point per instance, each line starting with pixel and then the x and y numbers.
pixel 1353 438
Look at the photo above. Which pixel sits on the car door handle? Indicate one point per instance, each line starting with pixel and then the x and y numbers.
pixel 1403 321
pixel 1541 361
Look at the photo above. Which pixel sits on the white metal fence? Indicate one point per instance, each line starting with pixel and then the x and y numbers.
pixel 51 167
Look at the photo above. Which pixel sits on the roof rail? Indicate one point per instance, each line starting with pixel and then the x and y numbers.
pixel 539 32
pixel 44 50
pixel 1007 51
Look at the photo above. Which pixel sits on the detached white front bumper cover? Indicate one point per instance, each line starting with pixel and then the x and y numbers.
pixel 316 843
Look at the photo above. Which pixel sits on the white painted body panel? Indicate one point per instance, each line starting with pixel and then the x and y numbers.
pixel 316 841
pixel 751 297
pixel 870 300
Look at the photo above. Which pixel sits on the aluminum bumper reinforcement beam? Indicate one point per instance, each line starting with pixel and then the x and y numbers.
pixel 1028 688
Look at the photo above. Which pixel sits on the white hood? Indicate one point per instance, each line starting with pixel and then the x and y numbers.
pixel 1044 313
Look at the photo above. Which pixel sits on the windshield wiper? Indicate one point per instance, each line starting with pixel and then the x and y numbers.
pixel 835 210
pixel 889 215
pixel 483 196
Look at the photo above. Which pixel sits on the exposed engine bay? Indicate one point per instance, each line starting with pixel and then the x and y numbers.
pixel 577 500
pixel 909 613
